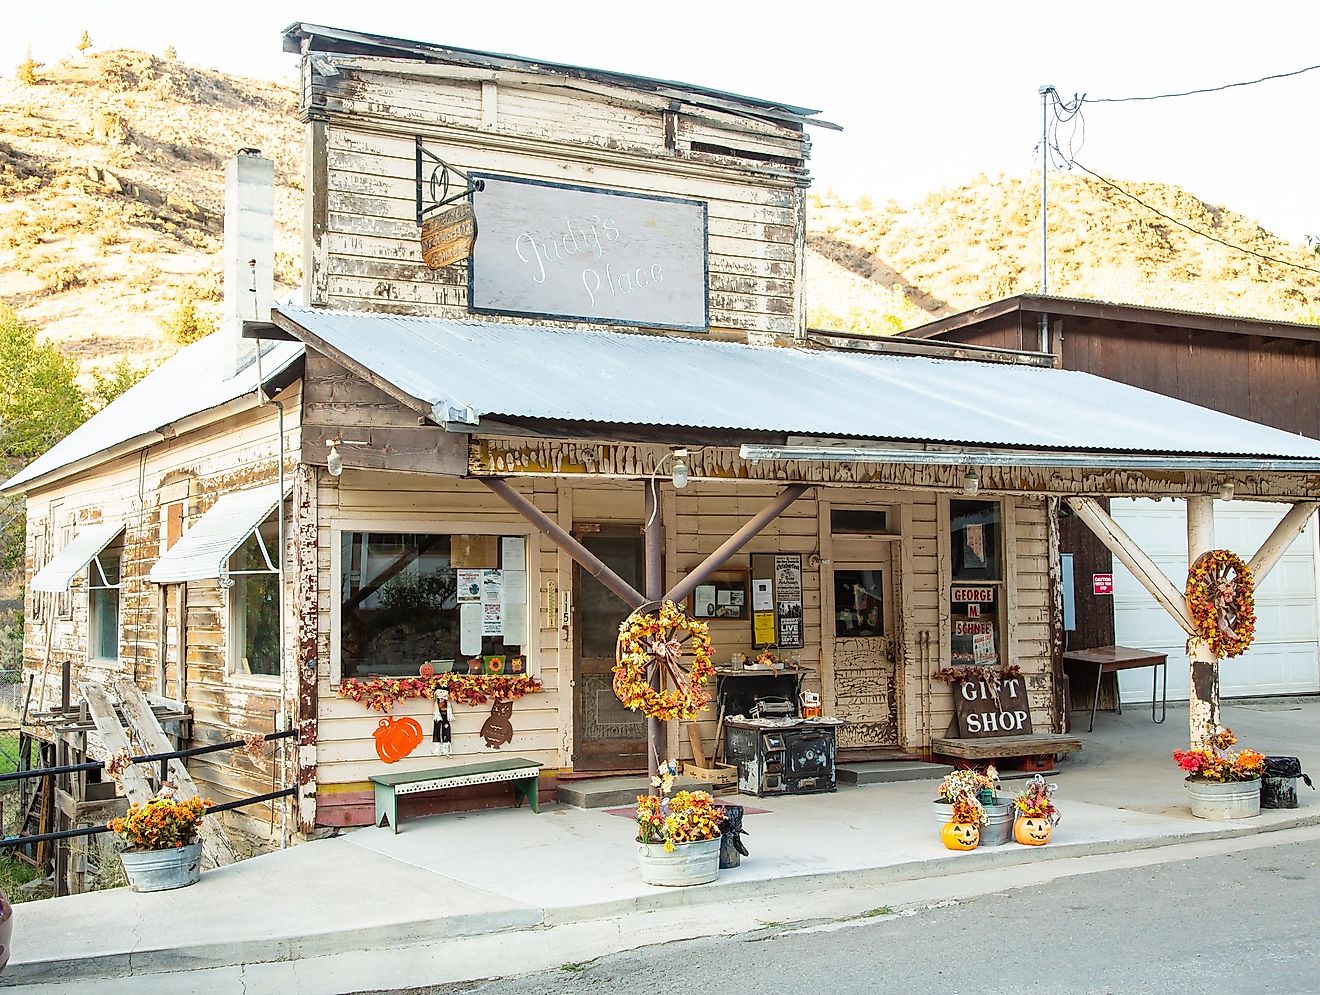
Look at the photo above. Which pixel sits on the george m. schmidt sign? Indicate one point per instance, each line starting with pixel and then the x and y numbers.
pixel 549 250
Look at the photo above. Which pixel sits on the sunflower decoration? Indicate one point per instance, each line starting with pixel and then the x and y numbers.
pixel 1221 602
pixel 658 645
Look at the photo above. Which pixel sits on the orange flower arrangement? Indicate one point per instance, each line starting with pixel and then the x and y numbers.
pixel 161 823
pixel 689 817
pixel 1222 608
pixel 648 641
pixel 1217 764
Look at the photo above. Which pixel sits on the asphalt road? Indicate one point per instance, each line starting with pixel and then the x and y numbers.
pixel 1240 923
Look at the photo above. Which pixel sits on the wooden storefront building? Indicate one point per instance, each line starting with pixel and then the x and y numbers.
pixel 620 377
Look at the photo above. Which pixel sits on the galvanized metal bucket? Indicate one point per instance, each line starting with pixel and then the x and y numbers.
pixel 1220 802
pixel 688 863
pixel 162 870
pixel 998 827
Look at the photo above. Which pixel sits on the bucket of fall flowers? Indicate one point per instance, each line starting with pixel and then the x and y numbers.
pixel 678 838
pixel 163 849
pixel 1220 784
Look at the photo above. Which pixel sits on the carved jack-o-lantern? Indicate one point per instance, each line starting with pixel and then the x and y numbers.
pixel 961 835
pixel 1032 832
pixel 396 738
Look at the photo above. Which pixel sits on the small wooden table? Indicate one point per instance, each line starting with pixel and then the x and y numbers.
pixel 525 775
pixel 1111 659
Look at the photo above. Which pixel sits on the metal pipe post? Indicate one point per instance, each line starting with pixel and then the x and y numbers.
pixel 654 587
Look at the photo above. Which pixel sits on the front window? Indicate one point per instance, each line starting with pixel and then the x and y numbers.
pixel 457 601
pixel 254 603
pixel 976 594
pixel 103 603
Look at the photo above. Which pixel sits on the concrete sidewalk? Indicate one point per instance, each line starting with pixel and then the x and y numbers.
pixel 508 870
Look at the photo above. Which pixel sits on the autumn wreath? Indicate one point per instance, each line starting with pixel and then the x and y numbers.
pixel 1221 602
pixel 650 642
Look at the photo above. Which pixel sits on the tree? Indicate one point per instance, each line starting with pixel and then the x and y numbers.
pixel 85 42
pixel 40 403
pixel 26 71
pixel 185 326
pixel 109 385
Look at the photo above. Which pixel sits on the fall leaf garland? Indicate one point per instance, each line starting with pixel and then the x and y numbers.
pixel 383 693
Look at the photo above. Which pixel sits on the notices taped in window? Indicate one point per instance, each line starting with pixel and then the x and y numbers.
pixel 777 600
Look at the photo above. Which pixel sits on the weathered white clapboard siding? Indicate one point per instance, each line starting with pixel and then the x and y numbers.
pixel 365 251
pixel 198 466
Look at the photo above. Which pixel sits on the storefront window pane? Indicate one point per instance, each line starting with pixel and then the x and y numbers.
pixel 859 603
pixel 401 604
pixel 975 534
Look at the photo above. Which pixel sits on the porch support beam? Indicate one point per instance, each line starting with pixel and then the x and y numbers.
pixel 1289 528
pixel 584 557
pixel 1142 567
pixel 737 541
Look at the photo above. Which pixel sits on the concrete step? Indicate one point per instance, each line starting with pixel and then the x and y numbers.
pixel 888 771
pixel 611 792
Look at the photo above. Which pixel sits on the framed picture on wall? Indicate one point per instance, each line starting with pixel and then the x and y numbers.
pixel 722 596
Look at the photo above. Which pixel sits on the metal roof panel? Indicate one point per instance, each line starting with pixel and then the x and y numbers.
pixel 538 372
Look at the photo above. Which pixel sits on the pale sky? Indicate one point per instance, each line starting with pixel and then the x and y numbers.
pixel 929 94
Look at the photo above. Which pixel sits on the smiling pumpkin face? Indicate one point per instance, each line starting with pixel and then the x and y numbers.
pixel 961 835
pixel 1032 832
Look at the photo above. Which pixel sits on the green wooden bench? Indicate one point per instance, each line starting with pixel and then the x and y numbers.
pixel 525 775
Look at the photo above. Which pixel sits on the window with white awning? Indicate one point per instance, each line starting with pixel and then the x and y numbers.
pixel 204 551
pixel 83 550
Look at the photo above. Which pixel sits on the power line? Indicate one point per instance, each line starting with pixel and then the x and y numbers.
pixel 1083 98
pixel 1182 224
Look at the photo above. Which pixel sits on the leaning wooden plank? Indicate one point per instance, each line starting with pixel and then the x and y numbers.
pixel 112 734
pixel 216 847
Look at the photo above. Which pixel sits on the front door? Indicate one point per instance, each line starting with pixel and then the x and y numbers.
pixel 606 736
pixel 865 677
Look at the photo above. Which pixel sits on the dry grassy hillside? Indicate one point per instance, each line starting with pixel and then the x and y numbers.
pixel 112 190
pixel 981 242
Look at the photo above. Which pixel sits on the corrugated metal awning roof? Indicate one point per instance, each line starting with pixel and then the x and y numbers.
pixel 189 382
pixel 68 563
pixel 467 371
pixel 203 552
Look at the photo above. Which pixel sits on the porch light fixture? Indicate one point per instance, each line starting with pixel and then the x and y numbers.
pixel 971 483
pixel 680 471
pixel 334 461
pixel 1226 491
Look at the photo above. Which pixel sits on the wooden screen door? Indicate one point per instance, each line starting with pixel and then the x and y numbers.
pixel 606 736
pixel 865 676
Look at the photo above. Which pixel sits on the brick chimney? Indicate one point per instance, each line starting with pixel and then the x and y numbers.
pixel 249 252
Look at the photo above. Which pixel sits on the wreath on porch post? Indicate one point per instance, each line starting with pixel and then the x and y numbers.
pixel 658 643
pixel 1221 602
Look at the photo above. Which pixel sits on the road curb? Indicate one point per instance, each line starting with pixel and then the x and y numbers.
pixel 260 950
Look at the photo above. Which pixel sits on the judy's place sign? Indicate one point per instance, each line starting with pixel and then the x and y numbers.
pixel 548 250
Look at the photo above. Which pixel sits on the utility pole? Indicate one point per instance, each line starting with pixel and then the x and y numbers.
pixel 1045 92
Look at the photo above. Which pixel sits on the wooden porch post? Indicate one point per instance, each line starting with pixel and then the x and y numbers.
pixel 1203 695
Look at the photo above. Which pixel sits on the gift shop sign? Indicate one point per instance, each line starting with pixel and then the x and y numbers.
pixel 547 250
pixel 982 713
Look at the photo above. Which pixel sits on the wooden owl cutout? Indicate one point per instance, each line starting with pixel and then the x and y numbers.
pixel 498 730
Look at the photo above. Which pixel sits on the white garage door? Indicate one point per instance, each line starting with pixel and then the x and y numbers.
pixel 1283 659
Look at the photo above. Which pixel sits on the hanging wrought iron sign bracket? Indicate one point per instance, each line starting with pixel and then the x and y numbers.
pixel 440 187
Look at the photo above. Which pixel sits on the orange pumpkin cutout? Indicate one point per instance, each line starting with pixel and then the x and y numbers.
pixel 396 738
pixel 961 835
pixel 1032 832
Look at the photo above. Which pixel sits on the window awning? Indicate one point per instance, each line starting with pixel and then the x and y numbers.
pixel 68 563
pixel 204 550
